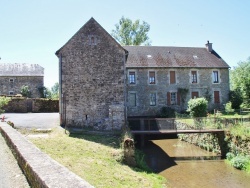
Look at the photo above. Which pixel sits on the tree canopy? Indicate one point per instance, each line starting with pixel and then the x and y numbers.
pixel 240 79
pixel 127 32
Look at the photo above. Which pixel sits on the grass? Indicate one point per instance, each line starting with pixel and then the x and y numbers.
pixel 97 159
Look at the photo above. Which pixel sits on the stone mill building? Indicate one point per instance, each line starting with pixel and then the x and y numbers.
pixel 102 83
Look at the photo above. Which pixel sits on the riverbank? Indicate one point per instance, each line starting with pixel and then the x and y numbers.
pixel 236 141
pixel 187 165
pixel 95 158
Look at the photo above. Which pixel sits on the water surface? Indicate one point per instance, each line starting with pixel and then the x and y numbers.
pixel 186 165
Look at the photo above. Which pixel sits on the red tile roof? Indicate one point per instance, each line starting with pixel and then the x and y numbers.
pixel 155 56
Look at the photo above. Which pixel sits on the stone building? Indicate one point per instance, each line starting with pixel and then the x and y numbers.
pixel 170 76
pixel 91 79
pixel 102 82
pixel 14 76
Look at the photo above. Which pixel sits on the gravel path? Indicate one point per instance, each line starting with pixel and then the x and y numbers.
pixel 11 175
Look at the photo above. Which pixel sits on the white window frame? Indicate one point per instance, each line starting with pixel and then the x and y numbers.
pixel 129 80
pixel 191 77
pixel 149 80
pixel 214 79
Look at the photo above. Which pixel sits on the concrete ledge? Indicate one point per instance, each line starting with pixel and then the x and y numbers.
pixel 39 168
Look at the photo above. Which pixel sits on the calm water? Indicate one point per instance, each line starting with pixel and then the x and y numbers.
pixel 185 165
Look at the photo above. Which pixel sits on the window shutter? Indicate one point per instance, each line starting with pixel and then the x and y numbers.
pixel 216 97
pixel 172 77
pixel 168 98
pixel 178 98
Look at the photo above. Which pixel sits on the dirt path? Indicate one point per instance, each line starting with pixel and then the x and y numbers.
pixel 11 175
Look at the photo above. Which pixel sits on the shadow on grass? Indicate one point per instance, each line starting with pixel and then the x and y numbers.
pixel 110 140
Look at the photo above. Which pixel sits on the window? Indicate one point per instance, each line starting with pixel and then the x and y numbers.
pixel 11 80
pixel 151 77
pixel 216 97
pixel 172 77
pixel 194 76
pixel 92 40
pixel 215 77
pixel 132 77
pixel 152 99
pixel 173 98
pixel 195 94
pixel 11 93
pixel 132 99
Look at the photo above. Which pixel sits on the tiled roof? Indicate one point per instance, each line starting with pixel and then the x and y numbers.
pixel 21 70
pixel 155 56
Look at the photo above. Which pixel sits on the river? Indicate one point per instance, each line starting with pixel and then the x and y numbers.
pixel 187 166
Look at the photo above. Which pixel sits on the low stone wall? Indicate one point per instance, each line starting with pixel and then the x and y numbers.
pixel 24 105
pixel 40 170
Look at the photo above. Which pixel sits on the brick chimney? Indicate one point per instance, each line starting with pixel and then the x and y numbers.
pixel 209 46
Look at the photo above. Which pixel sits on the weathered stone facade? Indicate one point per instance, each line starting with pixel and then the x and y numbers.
pixel 205 87
pixel 91 68
pixel 14 76
pixel 101 82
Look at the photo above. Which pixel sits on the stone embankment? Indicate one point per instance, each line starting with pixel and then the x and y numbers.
pixel 39 168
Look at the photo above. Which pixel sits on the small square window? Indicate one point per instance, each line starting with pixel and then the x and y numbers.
pixel 152 99
pixel 11 80
pixel 132 77
pixel 151 77
pixel 11 93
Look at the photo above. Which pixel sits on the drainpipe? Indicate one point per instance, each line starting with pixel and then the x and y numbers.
pixel 60 90
pixel 125 87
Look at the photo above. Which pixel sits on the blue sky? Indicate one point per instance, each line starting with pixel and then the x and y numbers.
pixel 31 31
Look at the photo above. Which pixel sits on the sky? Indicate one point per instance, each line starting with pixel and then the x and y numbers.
pixel 31 31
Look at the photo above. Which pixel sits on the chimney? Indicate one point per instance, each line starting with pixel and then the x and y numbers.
pixel 209 46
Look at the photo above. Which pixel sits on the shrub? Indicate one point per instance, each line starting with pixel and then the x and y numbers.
pixel 167 112
pixel 235 98
pixel 197 107
pixel 240 162
pixel 228 108
pixel 3 101
pixel 25 91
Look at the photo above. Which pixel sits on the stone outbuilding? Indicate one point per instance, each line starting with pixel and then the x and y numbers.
pixel 14 76
pixel 102 83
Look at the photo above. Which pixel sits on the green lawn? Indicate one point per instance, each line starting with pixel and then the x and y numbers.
pixel 96 159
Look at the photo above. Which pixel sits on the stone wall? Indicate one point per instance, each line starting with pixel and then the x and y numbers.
pixel 14 83
pixel 92 77
pixel 204 87
pixel 24 105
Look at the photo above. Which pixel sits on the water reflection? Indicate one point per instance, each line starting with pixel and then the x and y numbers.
pixel 186 165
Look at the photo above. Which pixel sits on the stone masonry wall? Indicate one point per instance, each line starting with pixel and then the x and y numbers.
pixel 7 86
pixel 92 77
pixel 204 87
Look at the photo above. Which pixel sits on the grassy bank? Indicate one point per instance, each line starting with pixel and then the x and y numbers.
pixel 97 159
pixel 239 144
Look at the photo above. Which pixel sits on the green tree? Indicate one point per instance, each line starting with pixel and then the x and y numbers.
pixel 240 79
pixel 197 107
pixel 3 101
pixel 25 91
pixel 55 91
pixel 127 32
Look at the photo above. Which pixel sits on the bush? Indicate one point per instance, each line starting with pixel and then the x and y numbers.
pixel 197 107
pixel 3 101
pixel 167 112
pixel 235 98
pixel 25 91
pixel 240 162
pixel 228 108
